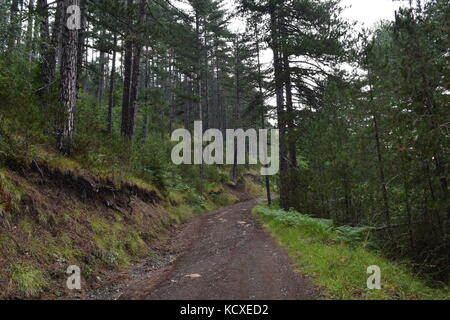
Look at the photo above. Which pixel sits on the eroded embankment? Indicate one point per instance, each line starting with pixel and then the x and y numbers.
pixel 52 218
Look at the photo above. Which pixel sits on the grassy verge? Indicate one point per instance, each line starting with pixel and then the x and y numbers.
pixel 337 258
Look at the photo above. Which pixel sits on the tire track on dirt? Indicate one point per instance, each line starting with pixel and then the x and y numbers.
pixel 230 256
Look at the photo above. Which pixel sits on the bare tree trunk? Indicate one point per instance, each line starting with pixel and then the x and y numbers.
pixel 172 84
pixel 128 64
pixel 57 33
pixel 47 66
pixel 36 31
pixel 111 87
pixel 237 107
pixel 101 80
pixel 199 86
pixel 381 172
pixel 68 85
pixel 380 161
pixel 263 112
pixel 135 74
pixel 290 112
pixel 278 74
pixel 81 42
pixel 408 214
pixel 206 83
pixel 292 148
pixel 29 38
pixel 14 25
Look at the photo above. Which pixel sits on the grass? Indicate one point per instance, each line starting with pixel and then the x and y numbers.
pixel 252 188
pixel 30 281
pixel 26 226
pixel 337 259
pixel 10 194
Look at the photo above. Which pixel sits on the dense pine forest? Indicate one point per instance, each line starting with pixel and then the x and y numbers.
pixel 363 114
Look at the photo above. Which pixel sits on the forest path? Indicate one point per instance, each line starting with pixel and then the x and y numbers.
pixel 225 254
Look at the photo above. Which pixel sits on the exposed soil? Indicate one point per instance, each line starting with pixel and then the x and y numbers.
pixel 58 216
pixel 225 254
pixel 56 205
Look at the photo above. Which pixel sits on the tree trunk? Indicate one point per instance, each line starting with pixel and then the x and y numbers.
pixel 47 64
pixel 278 74
pixel 57 33
pixel 290 116
pixel 101 74
pixel 111 88
pixel 199 87
pixel 135 74
pixel 81 42
pixel 68 87
pixel 381 173
pixel 380 160
pixel 237 106
pixel 14 25
pixel 263 111
pixel 128 64
pixel 29 38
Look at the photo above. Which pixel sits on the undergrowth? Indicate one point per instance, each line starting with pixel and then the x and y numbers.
pixel 337 258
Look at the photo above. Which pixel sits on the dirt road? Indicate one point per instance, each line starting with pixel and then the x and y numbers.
pixel 225 255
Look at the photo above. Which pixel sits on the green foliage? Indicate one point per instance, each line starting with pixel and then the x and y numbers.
pixel 26 227
pixel 336 259
pixel 30 281
pixel 320 229
pixel 20 117
pixel 375 147
pixel 10 195
pixel 181 213
pixel 223 199
pixel 352 235
pixel 254 189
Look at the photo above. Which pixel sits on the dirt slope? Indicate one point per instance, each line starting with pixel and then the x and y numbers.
pixel 230 257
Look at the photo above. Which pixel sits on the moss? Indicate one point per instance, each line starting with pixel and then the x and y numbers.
pixel 30 281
